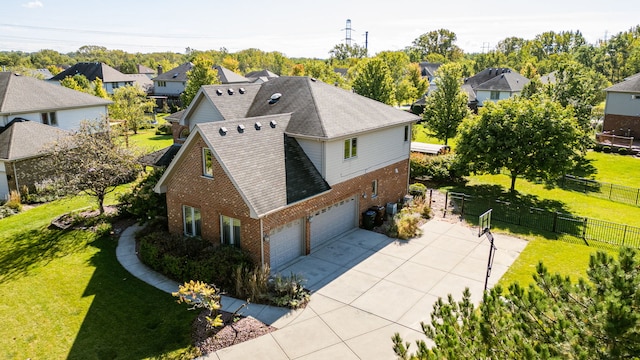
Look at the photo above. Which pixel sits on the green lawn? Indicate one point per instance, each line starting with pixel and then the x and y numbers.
pixel 148 141
pixel 616 169
pixel 64 295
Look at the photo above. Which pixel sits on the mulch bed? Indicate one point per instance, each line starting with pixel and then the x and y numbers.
pixel 233 332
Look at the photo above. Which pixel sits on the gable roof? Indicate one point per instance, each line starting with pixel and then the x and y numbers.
pixel 144 69
pixel 428 69
pixel 484 76
pixel 232 102
pixel 179 73
pixel 261 73
pixel 508 81
pixel 320 110
pixel 23 138
pixel 21 94
pixel 630 85
pixel 93 70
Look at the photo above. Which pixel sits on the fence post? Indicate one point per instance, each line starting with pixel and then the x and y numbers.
pixel 462 210
pixel 430 196
pixel 637 195
pixel 610 190
pixel 446 203
pixel 584 229
pixel 624 236
pixel 555 221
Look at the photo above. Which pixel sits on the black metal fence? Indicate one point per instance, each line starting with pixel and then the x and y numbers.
pixel 587 229
pixel 613 192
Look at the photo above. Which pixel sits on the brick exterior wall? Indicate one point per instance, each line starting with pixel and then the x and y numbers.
pixel 218 196
pixel 176 130
pixel 614 123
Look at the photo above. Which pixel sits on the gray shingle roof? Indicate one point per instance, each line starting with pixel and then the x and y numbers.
pixel 22 94
pixel 631 85
pixel 23 138
pixel 253 159
pixel 179 73
pixel 324 111
pixel 484 76
pixel 303 179
pixel 235 105
pixel 428 69
pixel 261 73
pixel 92 70
pixel 509 81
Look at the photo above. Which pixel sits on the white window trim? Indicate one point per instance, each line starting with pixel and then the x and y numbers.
pixel 351 154
pixel 374 189
pixel 208 173
pixel 492 93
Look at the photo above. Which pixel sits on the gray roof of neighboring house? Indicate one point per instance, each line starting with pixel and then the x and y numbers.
pixel 320 110
pixel 175 117
pixel 428 69
pixel 144 69
pixel 631 85
pixel 179 73
pixel 23 138
pixel 45 73
pixel 93 70
pixel 508 81
pixel 162 157
pixel 484 76
pixel 22 94
pixel 550 78
pixel 261 73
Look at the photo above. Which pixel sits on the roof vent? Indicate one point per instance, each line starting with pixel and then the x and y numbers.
pixel 258 125
pixel 242 90
pixel 273 124
pixel 219 92
pixel 230 91
pixel 274 98
pixel 223 131
pixel 313 79
pixel 240 128
pixel 175 75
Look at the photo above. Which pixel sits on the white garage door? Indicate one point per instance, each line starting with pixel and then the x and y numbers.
pixel 333 221
pixel 286 243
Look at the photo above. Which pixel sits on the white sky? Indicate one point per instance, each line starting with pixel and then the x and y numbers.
pixel 297 28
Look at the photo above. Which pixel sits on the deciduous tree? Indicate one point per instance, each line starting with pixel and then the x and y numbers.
pixel 372 78
pixel 92 161
pixel 130 103
pixel 202 73
pixel 446 106
pixel 536 139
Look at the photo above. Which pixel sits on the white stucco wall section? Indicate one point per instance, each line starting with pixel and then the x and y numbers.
pixel 622 104
pixel 375 150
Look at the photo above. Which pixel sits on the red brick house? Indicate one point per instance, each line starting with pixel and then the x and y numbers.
pixel 282 167
pixel 622 108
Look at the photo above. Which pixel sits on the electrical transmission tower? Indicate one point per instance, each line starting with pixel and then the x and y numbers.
pixel 347 37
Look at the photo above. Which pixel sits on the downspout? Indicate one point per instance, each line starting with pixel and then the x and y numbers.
pixel 15 176
pixel 261 243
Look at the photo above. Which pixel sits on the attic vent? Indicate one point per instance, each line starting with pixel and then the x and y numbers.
pixel 273 124
pixel 241 128
pixel 242 90
pixel 313 79
pixel 258 125
pixel 219 92
pixel 230 91
pixel 175 75
pixel 223 131
pixel 274 98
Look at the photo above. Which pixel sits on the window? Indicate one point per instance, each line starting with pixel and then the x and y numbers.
pixel 406 133
pixel 207 165
pixel 192 221
pixel 374 189
pixel 230 230
pixel 115 85
pixel 495 95
pixel 49 118
pixel 350 148
pixel 635 97
pixel 162 83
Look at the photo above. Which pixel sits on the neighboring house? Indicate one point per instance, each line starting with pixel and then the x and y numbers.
pixel 282 167
pixel 111 78
pixel 622 108
pixel 173 82
pixel 43 74
pixel 428 70
pixel 22 143
pixel 147 71
pixel 260 76
pixel 492 84
pixel 41 101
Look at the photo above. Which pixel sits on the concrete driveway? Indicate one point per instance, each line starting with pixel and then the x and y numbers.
pixel 366 287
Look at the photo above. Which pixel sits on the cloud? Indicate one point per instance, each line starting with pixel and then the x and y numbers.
pixel 33 4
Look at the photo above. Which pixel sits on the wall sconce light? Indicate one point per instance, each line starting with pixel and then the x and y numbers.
pixel 364 195
pixel 310 218
pixel 396 170
pixel 267 238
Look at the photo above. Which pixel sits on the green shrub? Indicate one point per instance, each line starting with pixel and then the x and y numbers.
pixel 407 224
pixel 417 189
pixel 288 291
pixel 104 229
pixel 624 151
pixel 15 201
pixel 252 285
pixel 141 201
pixel 597 148
pixel 164 129
pixel 606 149
pixel 441 168
pixel 173 266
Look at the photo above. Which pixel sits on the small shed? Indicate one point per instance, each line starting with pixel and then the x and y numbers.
pixel 432 149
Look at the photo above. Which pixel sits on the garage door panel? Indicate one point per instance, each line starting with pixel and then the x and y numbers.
pixel 286 244
pixel 333 221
